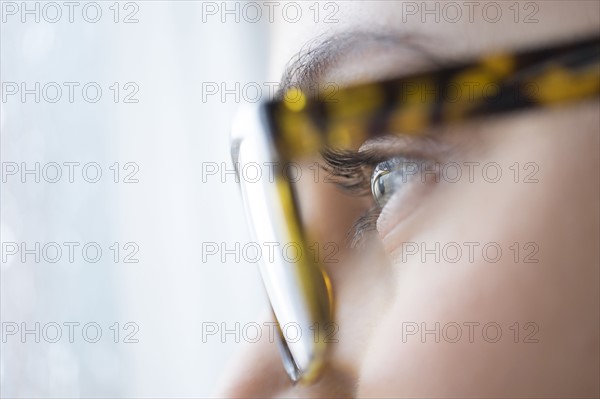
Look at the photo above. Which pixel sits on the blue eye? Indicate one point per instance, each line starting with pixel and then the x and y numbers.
pixel 389 176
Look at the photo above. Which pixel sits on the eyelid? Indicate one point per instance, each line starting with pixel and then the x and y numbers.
pixel 352 170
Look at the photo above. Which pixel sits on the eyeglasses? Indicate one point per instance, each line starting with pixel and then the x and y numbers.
pixel 275 133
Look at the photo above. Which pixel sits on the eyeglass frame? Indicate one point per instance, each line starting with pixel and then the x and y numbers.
pixel 297 126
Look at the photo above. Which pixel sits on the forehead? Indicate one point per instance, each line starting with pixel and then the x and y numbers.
pixel 455 30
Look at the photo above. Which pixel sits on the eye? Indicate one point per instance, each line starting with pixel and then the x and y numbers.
pixel 389 176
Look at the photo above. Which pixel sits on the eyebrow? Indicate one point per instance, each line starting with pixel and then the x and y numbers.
pixel 319 56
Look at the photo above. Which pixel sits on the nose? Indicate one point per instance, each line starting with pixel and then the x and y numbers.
pixel 257 372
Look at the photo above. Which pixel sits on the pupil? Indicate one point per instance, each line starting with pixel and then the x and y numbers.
pixel 381 186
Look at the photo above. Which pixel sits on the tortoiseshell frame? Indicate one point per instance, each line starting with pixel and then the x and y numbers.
pixel 496 83
pixel 299 127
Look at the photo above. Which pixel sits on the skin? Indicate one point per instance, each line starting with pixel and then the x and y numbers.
pixel 378 291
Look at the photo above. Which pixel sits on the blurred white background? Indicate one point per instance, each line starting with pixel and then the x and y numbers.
pixel 169 133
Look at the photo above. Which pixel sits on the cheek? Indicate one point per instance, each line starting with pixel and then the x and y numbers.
pixel 486 330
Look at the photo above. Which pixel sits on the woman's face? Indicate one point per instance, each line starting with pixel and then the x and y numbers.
pixel 482 277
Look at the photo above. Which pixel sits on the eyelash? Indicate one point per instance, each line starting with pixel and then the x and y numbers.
pixel 352 170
